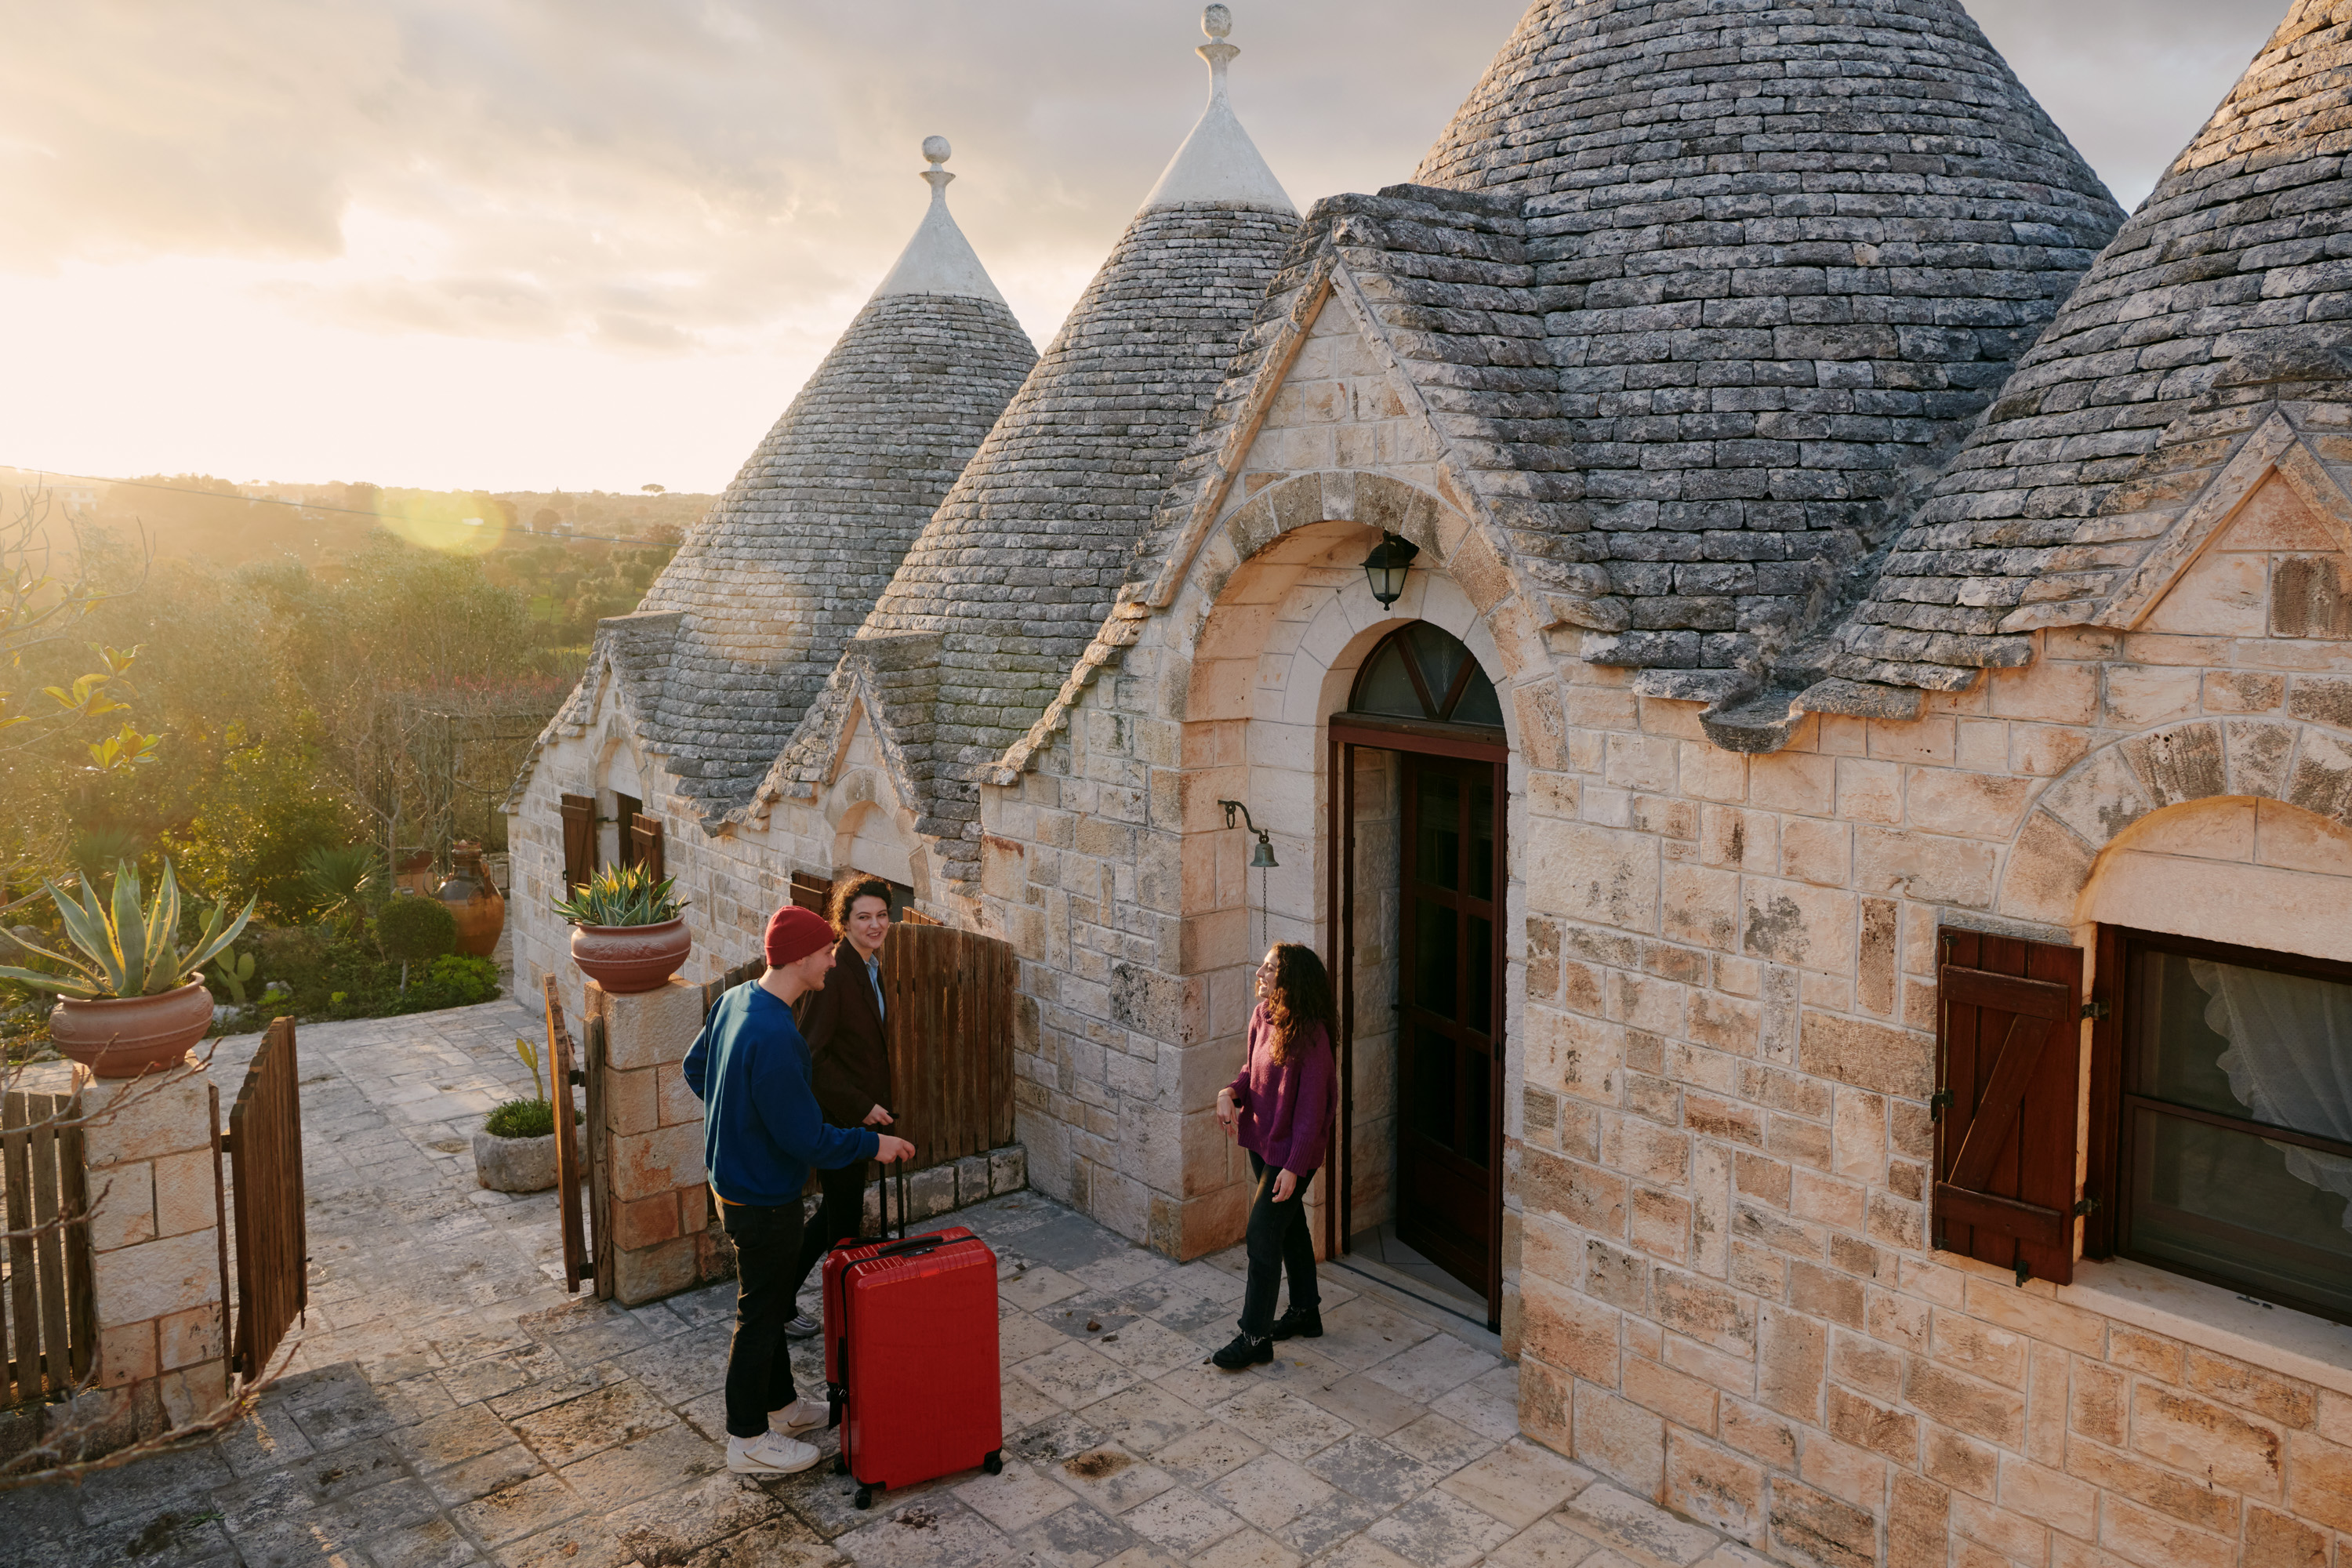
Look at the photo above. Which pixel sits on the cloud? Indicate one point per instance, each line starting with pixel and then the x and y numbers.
pixel 657 215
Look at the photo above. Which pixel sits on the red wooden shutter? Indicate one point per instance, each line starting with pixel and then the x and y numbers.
pixel 812 892
pixel 579 839
pixel 648 832
pixel 2008 1052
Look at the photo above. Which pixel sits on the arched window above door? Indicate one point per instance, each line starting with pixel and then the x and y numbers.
pixel 1422 672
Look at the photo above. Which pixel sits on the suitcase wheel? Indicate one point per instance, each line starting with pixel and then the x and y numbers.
pixel 995 1463
pixel 865 1497
pixel 840 1466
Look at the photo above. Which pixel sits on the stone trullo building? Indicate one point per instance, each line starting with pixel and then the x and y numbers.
pixel 1839 852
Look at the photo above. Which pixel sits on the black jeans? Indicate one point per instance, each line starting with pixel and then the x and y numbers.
pixel 839 1217
pixel 1277 1237
pixel 758 1367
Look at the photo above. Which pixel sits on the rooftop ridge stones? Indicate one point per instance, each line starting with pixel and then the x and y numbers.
pixel 1218 163
pixel 1784 252
pixel 2218 321
pixel 938 260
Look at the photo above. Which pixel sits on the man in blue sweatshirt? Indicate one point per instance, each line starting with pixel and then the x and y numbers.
pixel 762 1132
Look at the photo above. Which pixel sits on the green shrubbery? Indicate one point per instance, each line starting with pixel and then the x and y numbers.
pixel 314 974
pixel 416 930
pixel 520 1118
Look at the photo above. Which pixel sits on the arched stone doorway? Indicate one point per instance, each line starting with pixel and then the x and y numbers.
pixel 1419 764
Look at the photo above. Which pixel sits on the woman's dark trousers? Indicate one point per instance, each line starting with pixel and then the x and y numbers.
pixel 758 1367
pixel 839 1218
pixel 1277 1238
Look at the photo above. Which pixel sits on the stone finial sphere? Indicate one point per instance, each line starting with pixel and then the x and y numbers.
pixel 936 149
pixel 1217 21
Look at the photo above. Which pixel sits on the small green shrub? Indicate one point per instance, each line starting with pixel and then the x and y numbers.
pixel 456 981
pixel 416 930
pixel 520 1118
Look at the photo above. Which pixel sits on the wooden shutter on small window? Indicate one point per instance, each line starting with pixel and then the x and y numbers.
pixel 2007 1066
pixel 812 892
pixel 647 833
pixel 579 839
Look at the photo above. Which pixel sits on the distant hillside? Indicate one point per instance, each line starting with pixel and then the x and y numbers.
pixel 198 518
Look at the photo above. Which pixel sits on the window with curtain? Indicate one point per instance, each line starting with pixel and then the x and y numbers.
pixel 2235 1149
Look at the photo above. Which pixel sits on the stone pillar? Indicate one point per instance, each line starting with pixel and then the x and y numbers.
pixel 662 1241
pixel 154 1233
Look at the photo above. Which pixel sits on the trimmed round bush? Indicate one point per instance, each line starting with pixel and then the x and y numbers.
pixel 416 930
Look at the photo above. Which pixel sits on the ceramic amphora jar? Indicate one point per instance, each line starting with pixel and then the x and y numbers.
pixel 473 898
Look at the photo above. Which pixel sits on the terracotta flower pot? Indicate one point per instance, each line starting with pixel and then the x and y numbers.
pixel 625 960
pixel 124 1036
pixel 473 898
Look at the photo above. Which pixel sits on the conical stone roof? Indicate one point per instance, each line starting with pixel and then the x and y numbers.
pixel 1008 584
pixel 1786 251
pixel 2224 304
pixel 773 582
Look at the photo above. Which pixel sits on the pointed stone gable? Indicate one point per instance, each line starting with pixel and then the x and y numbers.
pixel 1784 252
pixel 2211 342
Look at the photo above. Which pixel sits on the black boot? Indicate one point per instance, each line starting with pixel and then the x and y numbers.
pixel 1243 1352
pixel 1298 1325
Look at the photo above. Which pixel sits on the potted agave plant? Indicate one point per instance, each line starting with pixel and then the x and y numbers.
pixel 628 934
pixel 132 1003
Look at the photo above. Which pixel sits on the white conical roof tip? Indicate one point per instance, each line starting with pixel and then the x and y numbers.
pixel 1218 163
pixel 938 260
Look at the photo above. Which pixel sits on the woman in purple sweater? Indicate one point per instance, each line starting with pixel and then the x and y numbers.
pixel 1279 1108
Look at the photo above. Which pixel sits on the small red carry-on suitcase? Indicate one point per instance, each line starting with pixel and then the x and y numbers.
pixel 910 1356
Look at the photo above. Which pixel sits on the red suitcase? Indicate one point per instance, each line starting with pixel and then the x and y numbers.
pixel 910 1358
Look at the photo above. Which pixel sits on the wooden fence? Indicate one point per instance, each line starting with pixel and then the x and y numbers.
pixel 47 1319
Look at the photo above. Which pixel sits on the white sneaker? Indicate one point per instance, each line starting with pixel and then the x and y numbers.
pixel 799 1414
pixel 770 1455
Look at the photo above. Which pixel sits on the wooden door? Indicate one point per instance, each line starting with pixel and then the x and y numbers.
pixel 1448 1070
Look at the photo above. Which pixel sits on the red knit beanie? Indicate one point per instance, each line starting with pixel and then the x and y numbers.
pixel 793 934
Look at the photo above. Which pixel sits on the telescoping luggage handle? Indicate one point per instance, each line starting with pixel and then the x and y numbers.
pixel 836 1394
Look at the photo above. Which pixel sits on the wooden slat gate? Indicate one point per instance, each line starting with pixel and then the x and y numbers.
pixel 47 1318
pixel 575 1156
pixel 950 996
pixel 263 1195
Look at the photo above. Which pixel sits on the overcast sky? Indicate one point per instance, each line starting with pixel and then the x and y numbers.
pixel 525 244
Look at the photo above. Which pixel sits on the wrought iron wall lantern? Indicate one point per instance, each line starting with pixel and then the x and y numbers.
pixel 1385 567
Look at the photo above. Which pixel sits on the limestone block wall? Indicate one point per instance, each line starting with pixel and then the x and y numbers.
pixel 1722 1148
pixel 155 1252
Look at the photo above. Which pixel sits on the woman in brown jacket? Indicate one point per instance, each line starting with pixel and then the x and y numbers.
pixel 849 1064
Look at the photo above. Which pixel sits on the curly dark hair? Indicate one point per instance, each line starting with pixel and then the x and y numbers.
pixel 1301 999
pixel 846 894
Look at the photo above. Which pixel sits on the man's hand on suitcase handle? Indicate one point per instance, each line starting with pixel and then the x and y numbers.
pixel 892 1150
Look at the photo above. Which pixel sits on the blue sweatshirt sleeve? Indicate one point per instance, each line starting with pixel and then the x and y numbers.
pixel 789 1111
pixel 698 1060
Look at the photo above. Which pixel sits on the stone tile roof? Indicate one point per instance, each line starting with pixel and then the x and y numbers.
pixel 772 583
pixel 1784 252
pixel 1022 559
pixel 2218 321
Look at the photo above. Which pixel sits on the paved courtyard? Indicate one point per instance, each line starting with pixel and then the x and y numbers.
pixel 450 1404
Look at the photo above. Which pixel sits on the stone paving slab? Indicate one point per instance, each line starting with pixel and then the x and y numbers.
pixel 451 1405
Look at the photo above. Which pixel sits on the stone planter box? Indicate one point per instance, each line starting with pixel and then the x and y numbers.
pixel 515 1165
